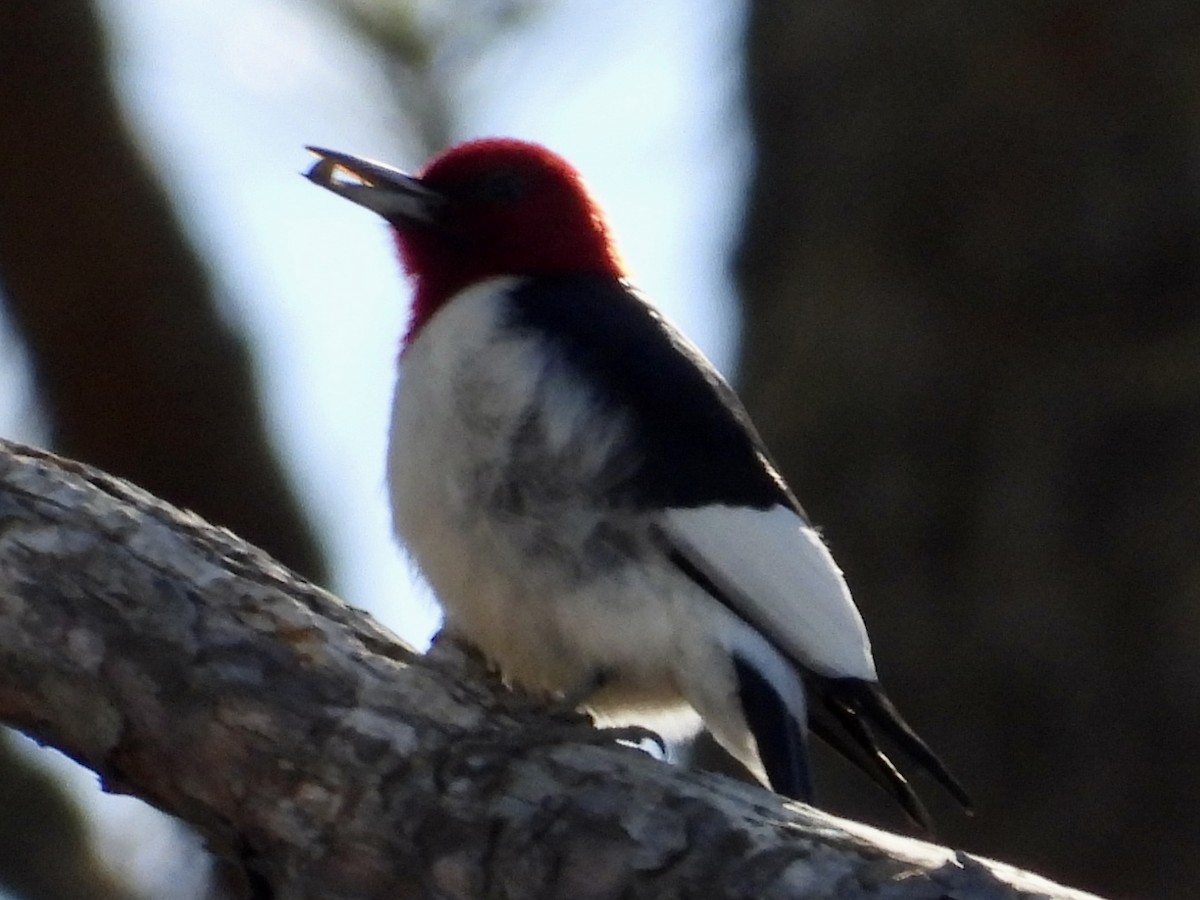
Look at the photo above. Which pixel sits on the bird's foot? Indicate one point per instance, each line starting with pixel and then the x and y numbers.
pixel 475 755
pixel 580 727
pixel 633 735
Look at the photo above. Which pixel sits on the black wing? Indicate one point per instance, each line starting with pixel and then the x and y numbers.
pixel 696 445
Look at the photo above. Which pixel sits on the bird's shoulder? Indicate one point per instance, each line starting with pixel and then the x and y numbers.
pixel 694 442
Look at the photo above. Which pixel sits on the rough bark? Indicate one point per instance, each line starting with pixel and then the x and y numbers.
pixel 972 336
pixel 331 761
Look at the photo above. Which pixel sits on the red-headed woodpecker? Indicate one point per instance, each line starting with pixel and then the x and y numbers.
pixel 587 496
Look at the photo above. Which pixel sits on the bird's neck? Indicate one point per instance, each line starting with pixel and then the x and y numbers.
pixel 428 297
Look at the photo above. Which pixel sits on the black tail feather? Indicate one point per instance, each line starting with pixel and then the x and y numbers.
pixel 830 731
pixel 883 770
pixel 857 705
pixel 780 738
pixel 881 711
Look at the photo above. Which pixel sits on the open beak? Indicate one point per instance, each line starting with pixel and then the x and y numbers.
pixel 399 198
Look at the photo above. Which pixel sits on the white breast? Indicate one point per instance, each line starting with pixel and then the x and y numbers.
pixel 461 393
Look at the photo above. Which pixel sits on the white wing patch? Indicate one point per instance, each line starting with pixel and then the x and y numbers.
pixel 780 577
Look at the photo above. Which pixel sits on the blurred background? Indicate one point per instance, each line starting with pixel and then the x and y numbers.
pixel 950 257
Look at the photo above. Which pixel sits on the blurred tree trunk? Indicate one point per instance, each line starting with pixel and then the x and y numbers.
pixel 972 336
pixel 135 369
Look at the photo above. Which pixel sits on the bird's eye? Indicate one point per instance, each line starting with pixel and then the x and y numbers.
pixel 501 187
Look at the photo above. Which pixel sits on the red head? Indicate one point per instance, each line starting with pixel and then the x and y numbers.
pixel 480 209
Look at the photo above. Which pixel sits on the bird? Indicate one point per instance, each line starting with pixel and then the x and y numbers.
pixel 586 495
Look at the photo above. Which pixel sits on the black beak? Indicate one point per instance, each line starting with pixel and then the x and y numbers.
pixel 399 198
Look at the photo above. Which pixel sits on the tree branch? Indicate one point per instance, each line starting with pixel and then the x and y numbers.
pixel 331 761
